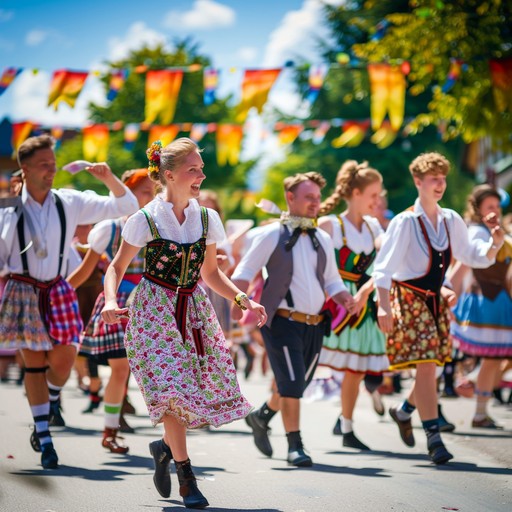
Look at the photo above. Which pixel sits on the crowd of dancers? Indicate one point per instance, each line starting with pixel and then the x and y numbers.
pixel 317 288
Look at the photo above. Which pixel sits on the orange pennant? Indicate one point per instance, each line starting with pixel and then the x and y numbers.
pixel 20 133
pixel 255 88
pixel 229 140
pixel 287 133
pixel 165 134
pixel 66 86
pixel 162 90
pixel 95 142
pixel 353 134
pixel 387 85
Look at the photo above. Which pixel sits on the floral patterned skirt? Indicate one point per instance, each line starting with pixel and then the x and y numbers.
pixel 417 336
pixel 173 376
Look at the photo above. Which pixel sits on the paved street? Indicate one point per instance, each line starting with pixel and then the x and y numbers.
pixel 234 476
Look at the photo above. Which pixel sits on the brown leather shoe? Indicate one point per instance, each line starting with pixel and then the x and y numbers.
pixel 404 426
pixel 110 441
pixel 486 422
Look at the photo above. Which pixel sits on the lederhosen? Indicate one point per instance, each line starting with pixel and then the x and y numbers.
pixel 293 346
pixel 421 331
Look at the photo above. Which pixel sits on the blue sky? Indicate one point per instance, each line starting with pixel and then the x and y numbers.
pixel 236 34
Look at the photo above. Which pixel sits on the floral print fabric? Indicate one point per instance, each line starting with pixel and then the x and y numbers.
pixel 416 336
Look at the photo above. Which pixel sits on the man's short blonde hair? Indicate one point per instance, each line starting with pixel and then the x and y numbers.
pixel 429 163
pixel 292 182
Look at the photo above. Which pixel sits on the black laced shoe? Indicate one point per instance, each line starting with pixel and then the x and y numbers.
pixel 162 456
pixel 260 433
pixel 192 496
pixel 56 419
pixel 439 454
pixel 351 441
pixel 34 441
pixel 336 430
pixel 49 458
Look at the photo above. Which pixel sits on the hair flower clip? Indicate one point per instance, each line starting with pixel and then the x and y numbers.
pixel 153 154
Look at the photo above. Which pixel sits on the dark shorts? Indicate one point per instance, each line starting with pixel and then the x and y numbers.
pixel 293 350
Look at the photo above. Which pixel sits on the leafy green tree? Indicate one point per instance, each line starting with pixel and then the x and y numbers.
pixel 432 35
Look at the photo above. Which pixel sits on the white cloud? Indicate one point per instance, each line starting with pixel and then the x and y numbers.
pixel 204 15
pixel 297 34
pixel 138 35
pixel 30 100
pixel 36 37
pixel 6 15
pixel 247 54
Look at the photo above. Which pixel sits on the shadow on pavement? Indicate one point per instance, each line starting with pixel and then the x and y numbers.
pixel 383 453
pixel 342 470
pixel 71 471
pixel 179 506
pixel 469 468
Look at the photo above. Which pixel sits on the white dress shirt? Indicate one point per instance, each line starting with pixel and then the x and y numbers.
pixel 79 208
pixel 308 296
pixel 405 254
pixel 357 241
pixel 137 232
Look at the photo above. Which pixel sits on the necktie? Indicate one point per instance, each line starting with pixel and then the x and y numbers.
pixel 295 236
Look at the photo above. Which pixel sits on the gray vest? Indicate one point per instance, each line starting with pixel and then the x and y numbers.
pixel 280 272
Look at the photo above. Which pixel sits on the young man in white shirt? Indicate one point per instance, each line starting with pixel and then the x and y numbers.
pixel 39 312
pixel 301 268
pixel 409 274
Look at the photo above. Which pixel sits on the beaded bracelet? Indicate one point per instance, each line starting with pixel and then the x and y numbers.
pixel 238 300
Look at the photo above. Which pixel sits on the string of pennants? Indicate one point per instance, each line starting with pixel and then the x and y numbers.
pixel 162 87
pixel 228 137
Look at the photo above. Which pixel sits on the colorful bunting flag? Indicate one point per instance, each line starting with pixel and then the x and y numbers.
pixel 131 133
pixel 95 142
pixel 384 136
pixel 256 86
pixel 7 78
pixel 20 133
pixel 456 68
pixel 316 79
pixel 387 86
pixel 198 131
pixel 66 86
pixel 166 134
pixel 229 140
pixel 353 134
pixel 501 75
pixel 211 82
pixel 162 90
pixel 117 80
pixel 287 133
pixel 320 132
pixel 57 132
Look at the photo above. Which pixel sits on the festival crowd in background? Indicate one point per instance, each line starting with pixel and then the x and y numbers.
pixel 333 296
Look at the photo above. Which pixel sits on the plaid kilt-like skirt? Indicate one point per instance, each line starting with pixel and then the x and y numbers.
pixel 102 340
pixel 23 325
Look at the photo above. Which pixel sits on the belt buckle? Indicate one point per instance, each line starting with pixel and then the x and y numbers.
pixel 290 315
pixel 307 319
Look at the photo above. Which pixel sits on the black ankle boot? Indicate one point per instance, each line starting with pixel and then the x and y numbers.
pixel 192 497
pixel 162 456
